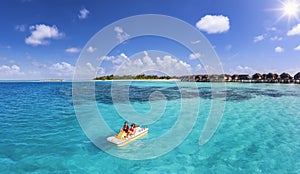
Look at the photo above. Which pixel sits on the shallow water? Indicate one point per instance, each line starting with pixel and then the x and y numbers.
pixel 259 131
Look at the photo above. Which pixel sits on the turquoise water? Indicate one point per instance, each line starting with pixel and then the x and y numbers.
pixel 259 132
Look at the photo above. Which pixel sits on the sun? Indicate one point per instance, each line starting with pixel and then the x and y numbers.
pixel 290 9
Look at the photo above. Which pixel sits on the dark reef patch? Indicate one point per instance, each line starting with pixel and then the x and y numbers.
pixel 123 93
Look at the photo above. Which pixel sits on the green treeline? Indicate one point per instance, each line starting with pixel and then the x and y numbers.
pixel 129 77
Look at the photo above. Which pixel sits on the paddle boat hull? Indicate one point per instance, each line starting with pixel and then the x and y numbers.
pixel 140 132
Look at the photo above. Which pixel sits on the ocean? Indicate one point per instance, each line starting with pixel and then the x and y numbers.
pixel 258 133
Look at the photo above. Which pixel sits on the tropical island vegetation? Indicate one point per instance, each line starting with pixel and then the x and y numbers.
pixel 245 78
pixel 132 77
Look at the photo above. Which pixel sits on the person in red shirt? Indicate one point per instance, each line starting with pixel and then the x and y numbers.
pixel 126 127
pixel 132 130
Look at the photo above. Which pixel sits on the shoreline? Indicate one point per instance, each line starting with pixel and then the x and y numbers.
pixel 174 80
pixel 154 80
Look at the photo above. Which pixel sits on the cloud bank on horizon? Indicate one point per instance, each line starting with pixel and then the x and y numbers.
pixel 46 43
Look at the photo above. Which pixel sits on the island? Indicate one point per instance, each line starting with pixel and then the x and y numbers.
pixel 133 77
pixel 243 78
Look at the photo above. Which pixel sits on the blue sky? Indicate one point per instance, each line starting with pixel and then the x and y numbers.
pixel 42 39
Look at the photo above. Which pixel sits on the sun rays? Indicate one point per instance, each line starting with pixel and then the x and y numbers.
pixel 289 9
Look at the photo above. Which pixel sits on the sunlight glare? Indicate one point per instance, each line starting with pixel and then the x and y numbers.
pixel 290 9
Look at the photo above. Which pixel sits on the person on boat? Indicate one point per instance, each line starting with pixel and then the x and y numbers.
pixel 125 127
pixel 123 134
pixel 132 130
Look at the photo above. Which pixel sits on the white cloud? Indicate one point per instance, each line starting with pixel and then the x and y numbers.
pixel 148 61
pixel 121 34
pixel 20 28
pixel 83 13
pixel 279 49
pixel 115 59
pixel 243 70
pixel 62 69
pixel 90 66
pixel 297 48
pixel 195 42
pixel 98 70
pixel 276 38
pixel 41 32
pixel 258 38
pixel 213 24
pixel 73 50
pixel 123 55
pixel 118 29
pixel 199 68
pixel 106 58
pixel 14 69
pixel 119 59
pixel 166 65
pixel 294 31
pixel 272 29
pixel 91 49
pixel 194 56
pixel 10 72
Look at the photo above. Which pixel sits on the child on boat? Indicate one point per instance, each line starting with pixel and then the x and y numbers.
pixel 123 134
pixel 132 130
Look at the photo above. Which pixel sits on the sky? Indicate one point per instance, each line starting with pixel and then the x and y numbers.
pixel 43 39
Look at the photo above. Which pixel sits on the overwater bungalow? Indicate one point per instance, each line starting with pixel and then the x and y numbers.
pixel 205 78
pixel 227 77
pixel 264 77
pixel 187 78
pixel 244 78
pixel 285 78
pixel 214 78
pixel 272 78
pixel 257 78
pixel 297 78
pixel 198 78
pixel 234 77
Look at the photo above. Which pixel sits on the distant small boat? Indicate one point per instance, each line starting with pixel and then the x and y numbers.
pixel 119 141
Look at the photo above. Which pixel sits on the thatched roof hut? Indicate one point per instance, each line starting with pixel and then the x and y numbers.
pixel 228 77
pixel 297 76
pixel 270 76
pixel 285 76
pixel 256 76
pixel 198 78
pixel 244 77
pixel 213 77
pixel 235 77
